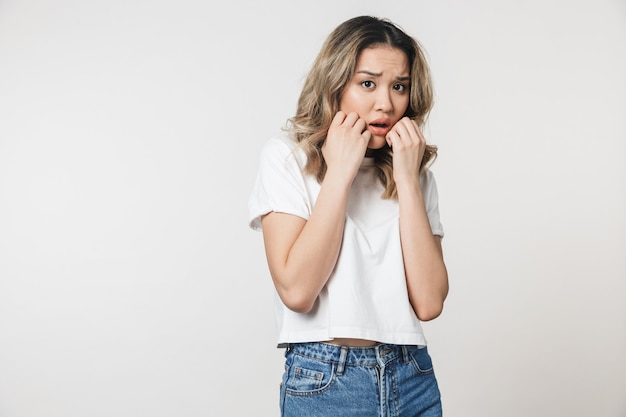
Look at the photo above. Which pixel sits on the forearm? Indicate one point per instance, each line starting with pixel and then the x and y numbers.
pixel 426 274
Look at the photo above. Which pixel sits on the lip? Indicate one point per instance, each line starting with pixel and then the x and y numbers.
pixel 379 127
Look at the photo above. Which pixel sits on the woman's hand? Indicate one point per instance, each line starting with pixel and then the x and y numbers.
pixel 408 144
pixel 345 145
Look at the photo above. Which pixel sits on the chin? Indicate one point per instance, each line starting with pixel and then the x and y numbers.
pixel 377 143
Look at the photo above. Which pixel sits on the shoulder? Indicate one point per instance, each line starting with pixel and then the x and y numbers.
pixel 279 144
pixel 427 178
pixel 282 149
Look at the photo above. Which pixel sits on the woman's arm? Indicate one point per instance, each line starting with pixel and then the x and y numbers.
pixel 301 254
pixel 426 273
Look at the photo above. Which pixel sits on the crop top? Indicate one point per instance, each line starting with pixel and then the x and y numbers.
pixel 366 295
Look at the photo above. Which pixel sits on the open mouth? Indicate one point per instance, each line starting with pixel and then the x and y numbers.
pixel 379 127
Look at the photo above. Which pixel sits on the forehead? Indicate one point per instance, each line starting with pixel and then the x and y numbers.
pixel 378 58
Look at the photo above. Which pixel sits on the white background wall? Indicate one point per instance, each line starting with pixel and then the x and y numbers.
pixel 130 284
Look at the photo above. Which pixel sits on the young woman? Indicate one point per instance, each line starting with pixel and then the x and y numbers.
pixel 350 221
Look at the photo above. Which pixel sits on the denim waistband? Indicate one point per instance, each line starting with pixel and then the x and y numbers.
pixel 348 355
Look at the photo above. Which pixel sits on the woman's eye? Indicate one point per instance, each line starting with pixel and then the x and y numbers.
pixel 399 87
pixel 367 84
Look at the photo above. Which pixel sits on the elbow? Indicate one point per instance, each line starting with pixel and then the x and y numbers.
pixel 428 305
pixel 297 301
pixel 430 313
pixel 294 295
pixel 427 310
pixel 299 307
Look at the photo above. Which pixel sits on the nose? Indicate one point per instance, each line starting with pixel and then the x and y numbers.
pixel 383 101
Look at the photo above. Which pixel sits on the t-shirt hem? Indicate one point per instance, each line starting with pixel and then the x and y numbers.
pixel 255 223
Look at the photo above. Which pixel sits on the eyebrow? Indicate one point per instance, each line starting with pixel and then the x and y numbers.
pixel 378 74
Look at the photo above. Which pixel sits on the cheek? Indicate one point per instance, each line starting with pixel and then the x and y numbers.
pixel 350 102
pixel 402 104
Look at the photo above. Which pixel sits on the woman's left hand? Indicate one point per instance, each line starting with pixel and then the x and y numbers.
pixel 408 145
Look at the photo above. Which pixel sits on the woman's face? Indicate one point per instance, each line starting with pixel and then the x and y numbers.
pixel 378 91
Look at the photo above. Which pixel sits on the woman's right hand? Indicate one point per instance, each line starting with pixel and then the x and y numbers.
pixel 345 145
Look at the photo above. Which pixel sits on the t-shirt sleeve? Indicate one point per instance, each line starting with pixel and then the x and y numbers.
pixel 279 184
pixel 431 196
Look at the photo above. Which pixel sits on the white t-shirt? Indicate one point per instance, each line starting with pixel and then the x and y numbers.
pixel 366 296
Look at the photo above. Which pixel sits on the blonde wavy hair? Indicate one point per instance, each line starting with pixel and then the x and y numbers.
pixel 331 71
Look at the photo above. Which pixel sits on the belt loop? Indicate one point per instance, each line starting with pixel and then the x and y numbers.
pixel 342 360
pixel 406 356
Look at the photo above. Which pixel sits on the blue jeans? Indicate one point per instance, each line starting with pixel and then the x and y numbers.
pixel 323 379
